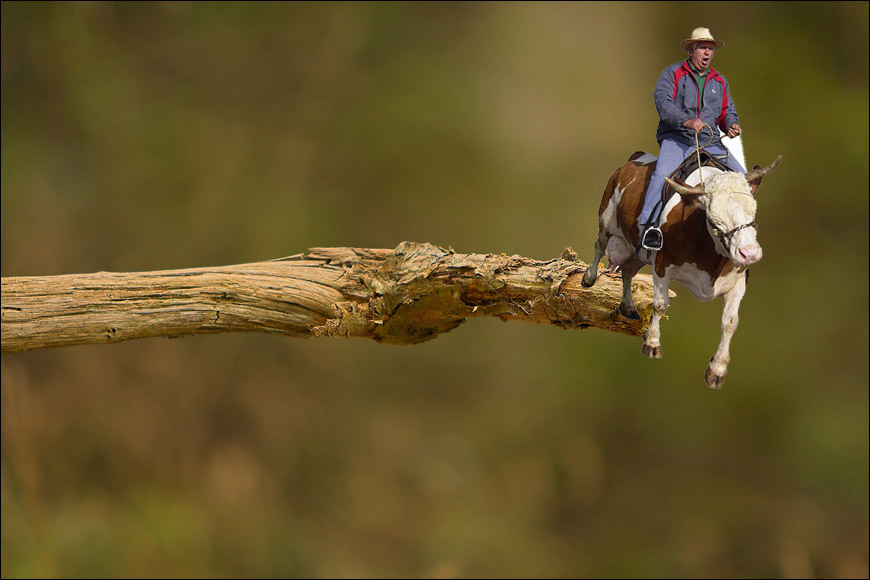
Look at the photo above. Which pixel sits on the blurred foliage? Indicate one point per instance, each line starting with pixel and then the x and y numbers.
pixel 143 136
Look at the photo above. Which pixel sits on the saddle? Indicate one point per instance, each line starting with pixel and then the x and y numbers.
pixel 682 172
pixel 689 165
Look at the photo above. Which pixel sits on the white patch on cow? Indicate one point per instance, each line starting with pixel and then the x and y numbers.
pixel 646 159
pixel 618 250
pixel 669 207
pixel 607 219
pixel 708 172
pixel 696 280
pixel 699 282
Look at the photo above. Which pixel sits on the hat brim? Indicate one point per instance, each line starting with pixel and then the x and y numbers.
pixel 690 41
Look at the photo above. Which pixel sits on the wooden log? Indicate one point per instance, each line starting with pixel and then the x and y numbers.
pixel 403 296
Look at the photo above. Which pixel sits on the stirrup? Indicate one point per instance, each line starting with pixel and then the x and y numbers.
pixel 652 239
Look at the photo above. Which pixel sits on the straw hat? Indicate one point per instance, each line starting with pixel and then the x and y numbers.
pixel 701 35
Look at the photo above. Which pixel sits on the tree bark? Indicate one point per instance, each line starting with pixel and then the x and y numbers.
pixel 403 296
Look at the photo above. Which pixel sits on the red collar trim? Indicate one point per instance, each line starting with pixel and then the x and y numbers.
pixel 713 73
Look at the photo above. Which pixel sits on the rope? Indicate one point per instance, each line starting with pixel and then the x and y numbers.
pixel 698 153
pixel 698 150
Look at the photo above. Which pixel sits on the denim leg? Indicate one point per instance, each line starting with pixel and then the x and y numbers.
pixel 670 157
pixel 718 150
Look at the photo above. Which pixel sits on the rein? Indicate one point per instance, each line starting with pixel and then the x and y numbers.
pixel 725 237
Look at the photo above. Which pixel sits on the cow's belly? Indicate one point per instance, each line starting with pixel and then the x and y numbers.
pixel 700 283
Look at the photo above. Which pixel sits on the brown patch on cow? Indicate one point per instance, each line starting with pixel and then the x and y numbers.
pixel 687 241
pixel 636 155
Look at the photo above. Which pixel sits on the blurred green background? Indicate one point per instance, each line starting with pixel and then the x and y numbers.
pixel 167 135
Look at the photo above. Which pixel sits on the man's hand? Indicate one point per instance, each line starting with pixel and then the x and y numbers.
pixel 695 124
pixel 734 130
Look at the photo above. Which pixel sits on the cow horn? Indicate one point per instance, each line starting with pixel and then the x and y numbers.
pixel 684 189
pixel 756 174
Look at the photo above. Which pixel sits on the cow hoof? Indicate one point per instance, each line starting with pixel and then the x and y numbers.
pixel 586 282
pixel 652 351
pixel 630 313
pixel 713 380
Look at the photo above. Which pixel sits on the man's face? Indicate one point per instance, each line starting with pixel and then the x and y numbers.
pixel 701 54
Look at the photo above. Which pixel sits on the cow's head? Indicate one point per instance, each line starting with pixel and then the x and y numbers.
pixel 728 199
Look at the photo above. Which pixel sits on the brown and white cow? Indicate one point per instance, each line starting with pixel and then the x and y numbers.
pixel 709 241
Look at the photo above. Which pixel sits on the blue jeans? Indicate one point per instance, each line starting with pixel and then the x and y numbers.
pixel 671 154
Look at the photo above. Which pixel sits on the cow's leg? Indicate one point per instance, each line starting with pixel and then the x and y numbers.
pixel 591 274
pixel 652 346
pixel 718 366
pixel 626 305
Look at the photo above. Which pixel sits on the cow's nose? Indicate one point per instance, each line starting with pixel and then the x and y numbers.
pixel 750 254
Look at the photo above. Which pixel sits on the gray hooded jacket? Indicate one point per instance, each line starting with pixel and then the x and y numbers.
pixel 677 100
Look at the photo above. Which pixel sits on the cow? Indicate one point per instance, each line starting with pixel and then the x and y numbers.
pixel 710 239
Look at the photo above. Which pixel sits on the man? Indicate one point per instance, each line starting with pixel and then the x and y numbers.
pixel 688 94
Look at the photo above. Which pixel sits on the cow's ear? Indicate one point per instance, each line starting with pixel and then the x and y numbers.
pixel 753 178
pixel 753 185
